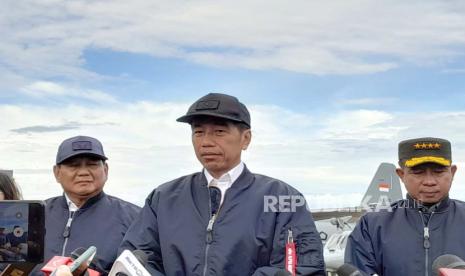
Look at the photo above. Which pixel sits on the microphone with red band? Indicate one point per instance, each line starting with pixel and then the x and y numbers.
pixel 79 265
pixel 448 265
pixel 91 268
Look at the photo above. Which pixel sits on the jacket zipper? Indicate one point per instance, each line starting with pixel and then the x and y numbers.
pixel 426 240
pixel 67 231
pixel 209 238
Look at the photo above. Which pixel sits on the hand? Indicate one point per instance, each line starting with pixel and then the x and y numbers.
pixel 63 270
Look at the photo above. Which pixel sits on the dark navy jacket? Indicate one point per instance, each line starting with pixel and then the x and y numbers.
pixel 245 239
pixel 102 222
pixel 397 242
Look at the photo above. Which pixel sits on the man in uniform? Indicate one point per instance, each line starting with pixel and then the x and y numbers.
pixel 85 215
pixel 216 222
pixel 406 238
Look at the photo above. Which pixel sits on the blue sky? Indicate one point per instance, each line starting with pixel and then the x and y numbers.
pixel 332 87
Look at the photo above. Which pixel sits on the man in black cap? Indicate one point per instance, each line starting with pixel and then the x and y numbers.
pixel 84 215
pixel 218 222
pixel 406 238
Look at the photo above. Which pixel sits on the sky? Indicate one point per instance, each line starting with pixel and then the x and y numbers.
pixel 332 87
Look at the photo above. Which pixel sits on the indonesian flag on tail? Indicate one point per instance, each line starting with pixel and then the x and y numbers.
pixel 384 187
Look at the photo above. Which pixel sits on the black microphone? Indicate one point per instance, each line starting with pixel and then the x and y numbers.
pixel 348 270
pixel 282 273
pixel 92 265
pixel 77 252
pixel 447 261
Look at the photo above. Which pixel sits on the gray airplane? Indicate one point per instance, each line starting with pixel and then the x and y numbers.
pixel 335 225
pixel 7 172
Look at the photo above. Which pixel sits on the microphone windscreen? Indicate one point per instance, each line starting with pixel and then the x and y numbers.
pixel 77 252
pixel 447 261
pixel 348 270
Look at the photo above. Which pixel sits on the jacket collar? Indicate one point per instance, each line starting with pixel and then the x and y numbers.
pixel 242 182
pixel 201 198
pixel 90 202
pixel 410 202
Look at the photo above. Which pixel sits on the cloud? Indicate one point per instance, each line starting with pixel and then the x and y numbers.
pixel 321 155
pixel 367 101
pixel 454 71
pixel 30 129
pixel 47 39
pixel 360 125
pixel 41 89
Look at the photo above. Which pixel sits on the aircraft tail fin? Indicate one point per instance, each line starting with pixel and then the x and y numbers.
pixel 384 186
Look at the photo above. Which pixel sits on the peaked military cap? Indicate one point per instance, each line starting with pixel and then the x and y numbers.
pixel 417 151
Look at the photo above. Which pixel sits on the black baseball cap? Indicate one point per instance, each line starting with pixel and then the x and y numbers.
pixel 80 145
pixel 218 105
pixel 417 151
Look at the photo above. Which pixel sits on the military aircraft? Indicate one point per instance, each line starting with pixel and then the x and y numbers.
pixel 7 172
pixel 335 225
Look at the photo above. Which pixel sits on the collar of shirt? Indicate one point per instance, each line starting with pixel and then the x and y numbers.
pixel 226 180
pixel 71 206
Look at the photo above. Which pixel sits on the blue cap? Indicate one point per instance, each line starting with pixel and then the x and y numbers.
pixel 80 145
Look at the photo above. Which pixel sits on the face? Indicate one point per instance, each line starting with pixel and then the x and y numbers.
pixel 82 177
pixel 2 196
pixel 428 182
pixel 218 145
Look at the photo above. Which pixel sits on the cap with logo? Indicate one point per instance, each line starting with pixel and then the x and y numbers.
pixel 417 151
pixel 80 145
pixel 218 105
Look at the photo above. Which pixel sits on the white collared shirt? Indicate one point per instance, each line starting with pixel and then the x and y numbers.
pixel 71 206
pixel 226 180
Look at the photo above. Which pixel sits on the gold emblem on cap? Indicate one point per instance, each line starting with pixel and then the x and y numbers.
pixel 427 145
pixel 424 159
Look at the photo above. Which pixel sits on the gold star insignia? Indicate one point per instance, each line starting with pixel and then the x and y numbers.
pixel 437 146
pixel 423 146
pixel 417 146
pixel 430 145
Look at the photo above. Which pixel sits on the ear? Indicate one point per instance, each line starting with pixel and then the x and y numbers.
pixel 105 168
pixel 56 172
pixel 453 169
pixel 400 172
pixel 246 138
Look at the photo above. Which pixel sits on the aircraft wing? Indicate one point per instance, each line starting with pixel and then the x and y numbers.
pixel 354 212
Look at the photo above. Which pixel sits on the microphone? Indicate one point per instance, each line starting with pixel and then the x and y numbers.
pixel 348 270
pixel 128 264
pixel 141 256
pixel 448 265
pixel 78 262
pixel 54 263
pixel 85 270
